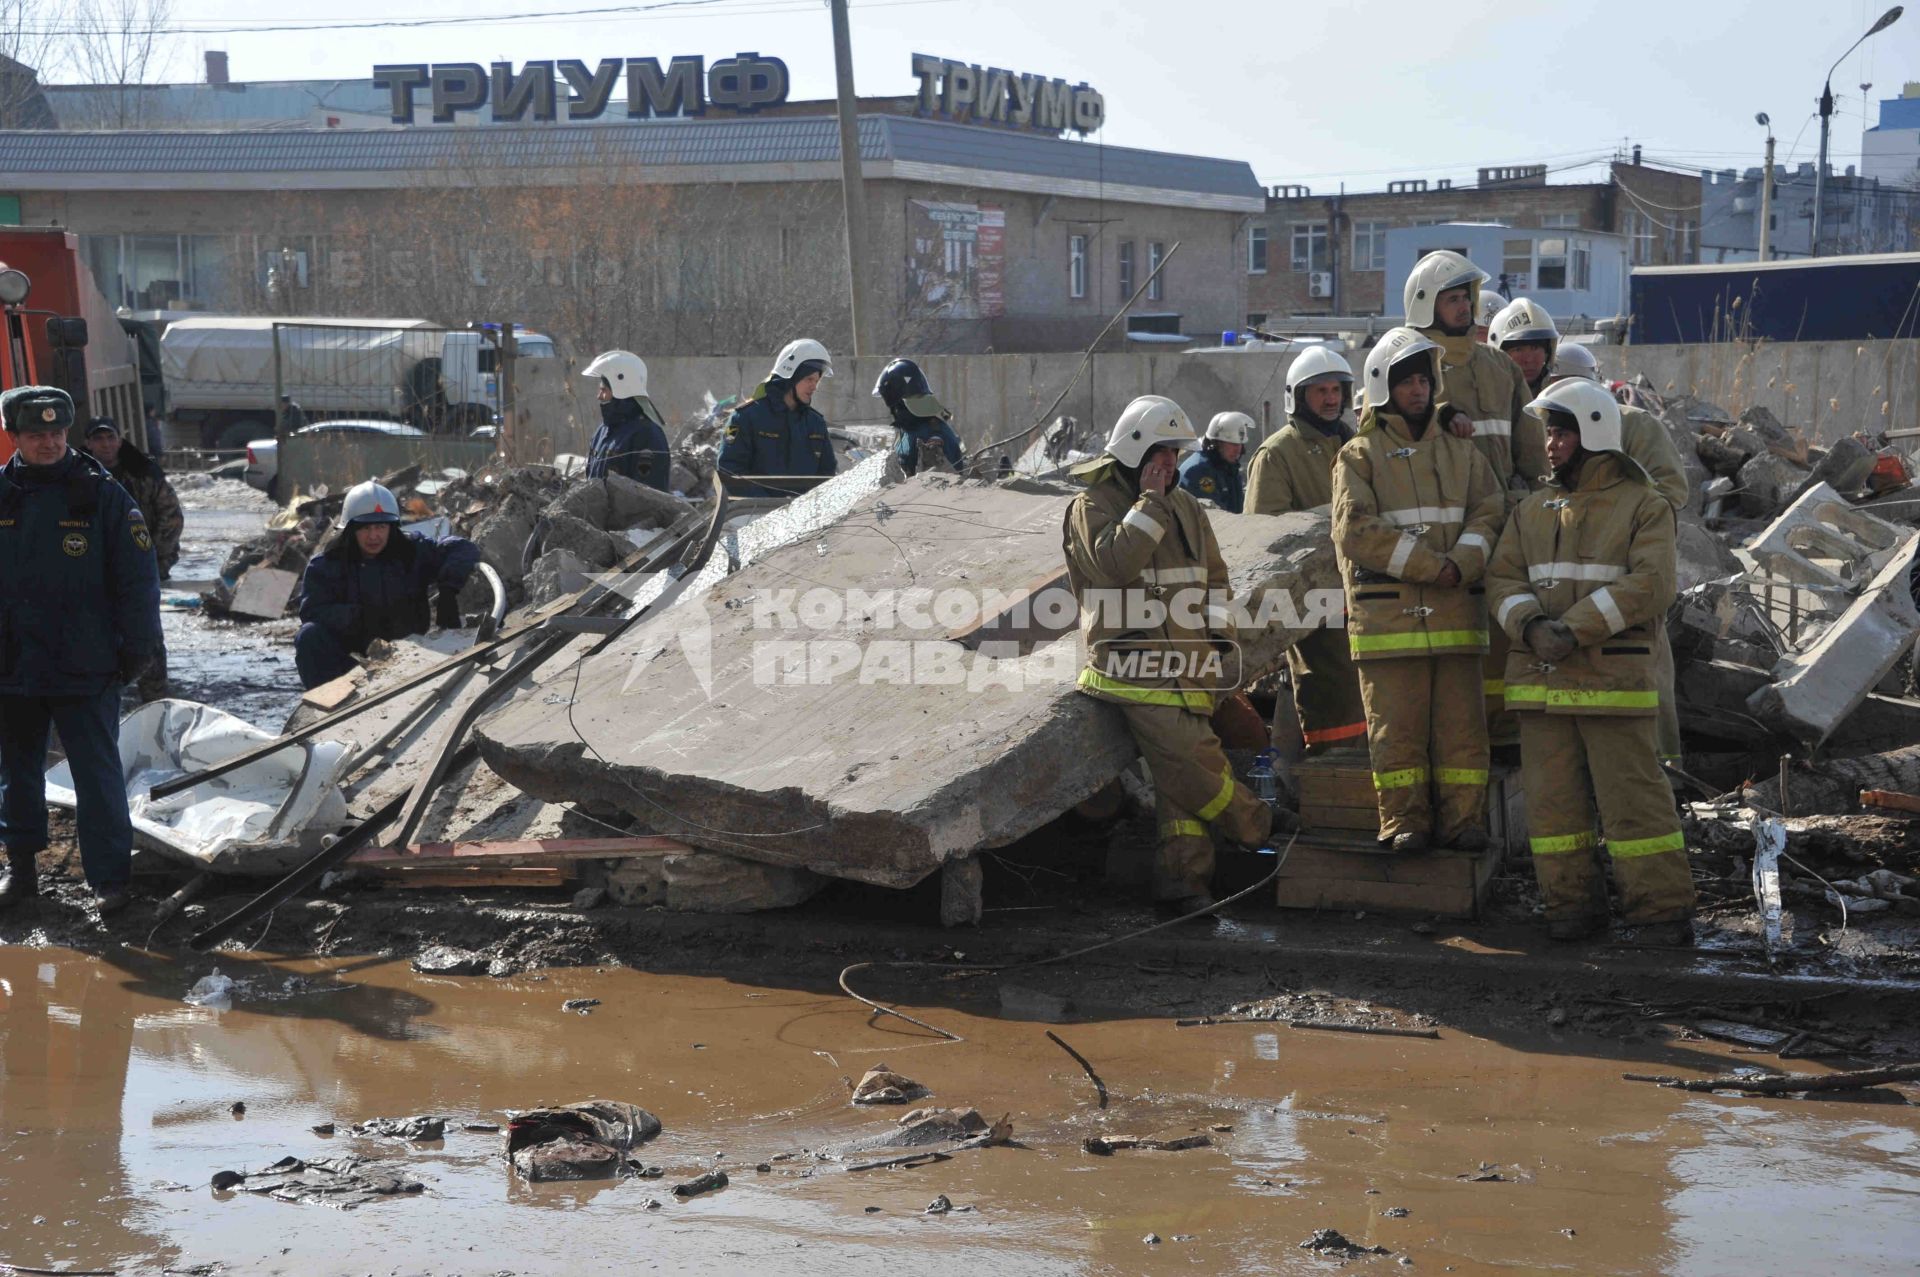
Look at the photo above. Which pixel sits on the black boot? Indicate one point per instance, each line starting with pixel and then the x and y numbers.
pixel 22 883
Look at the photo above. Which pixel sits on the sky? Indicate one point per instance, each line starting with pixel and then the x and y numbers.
pixel 1318 95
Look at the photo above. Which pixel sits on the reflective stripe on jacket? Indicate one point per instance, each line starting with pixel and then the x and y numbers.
pixel 1600 559
pixel 1149 578
pixel 1402 509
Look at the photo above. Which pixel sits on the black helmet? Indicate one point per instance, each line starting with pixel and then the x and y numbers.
pixel 899 381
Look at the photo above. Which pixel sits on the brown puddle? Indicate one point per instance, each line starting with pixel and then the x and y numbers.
pixel 115 1094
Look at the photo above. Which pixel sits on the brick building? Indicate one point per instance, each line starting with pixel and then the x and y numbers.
pixel 1327 254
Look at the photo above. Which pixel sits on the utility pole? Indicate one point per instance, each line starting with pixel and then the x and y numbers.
pixel 1766 203
pixel 851 186
pixel 1886 20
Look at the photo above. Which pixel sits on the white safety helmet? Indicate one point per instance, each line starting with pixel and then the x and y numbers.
pixel 1590 405
pixel 1490 305
pixel 1316 363
pixel 1435 274
pixel 368 503
pixel 624 371
pixel 1572 359
pixel 795 353
pixel 1146 422
pixel 1398 345
pixel 1524 319
pixel 1230 427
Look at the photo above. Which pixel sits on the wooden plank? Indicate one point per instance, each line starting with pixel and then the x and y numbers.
pixel 1365 819
pixel 334 694
pixel 486 876
pixel 1442 869
pixel 1890 800
pixel 1383 897
pixel 434 855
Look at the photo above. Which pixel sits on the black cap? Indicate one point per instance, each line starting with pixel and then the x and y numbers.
pixel 101 425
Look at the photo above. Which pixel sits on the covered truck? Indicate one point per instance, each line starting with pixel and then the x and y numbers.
pixel 224 374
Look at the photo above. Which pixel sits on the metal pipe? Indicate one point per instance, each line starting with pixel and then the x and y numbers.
pixel 491 625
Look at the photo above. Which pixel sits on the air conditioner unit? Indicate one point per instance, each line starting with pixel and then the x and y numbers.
pixel 1320 284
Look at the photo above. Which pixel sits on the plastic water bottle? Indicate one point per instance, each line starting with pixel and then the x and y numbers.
pixel 1266 785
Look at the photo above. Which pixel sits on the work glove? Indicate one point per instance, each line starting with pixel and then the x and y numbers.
pixel 1551 641
pixel 1459 424
pixel 446 612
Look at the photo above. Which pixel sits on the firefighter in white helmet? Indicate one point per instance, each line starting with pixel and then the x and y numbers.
pixel 373 583
pixel 632 438
pixel 1491 302
pixel 1213 473
pixel 1416 511
pixel 1293 470
pixel 1650 444
pixel 1580 579
pixel 778 431
pixel 1160 638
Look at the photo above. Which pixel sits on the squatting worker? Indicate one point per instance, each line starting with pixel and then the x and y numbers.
pixel 147 484
pixel 1416 511
pixel 631 439
pixel 923 423
pixel 1213 473
pixel 1294 471
pixel 778 431
pixel 1153 595
pixel 79 618
pixel 372 583
pixel 1581 573
pixel 1649 444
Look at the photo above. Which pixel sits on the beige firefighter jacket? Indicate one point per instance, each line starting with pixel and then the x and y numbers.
pixel 1648 442
pixel 1293 470
pixel 1487 386
pixel 1401 511
pixel 1153 594
pixel 1600 559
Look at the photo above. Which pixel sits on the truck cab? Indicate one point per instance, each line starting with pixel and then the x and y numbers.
pixel 470 371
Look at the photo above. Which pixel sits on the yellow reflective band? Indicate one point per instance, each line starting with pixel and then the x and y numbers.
pixel 1535 696
pixel 1561 844
pixel 1094 681
pixel 1494 687
pixel 1627 849
pixel 1416 640
pixel 1460 776
pixel 1219 801
pixel 1183 829
pixel 1400 779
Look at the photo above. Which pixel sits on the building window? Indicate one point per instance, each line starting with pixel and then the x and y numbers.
pixel 1516 265
pixel 1310 246
pixel 1689 239
pixel 1126 270
pixel 1583 264
pixel 1157 284
pixel 1639 228
pixel 1256 318
pixel 1369 246
pixel 1076 265
pixel 1552 271
pixel 1560 221
pixel 1256 250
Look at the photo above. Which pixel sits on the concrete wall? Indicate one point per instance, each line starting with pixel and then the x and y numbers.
pixel 1828 388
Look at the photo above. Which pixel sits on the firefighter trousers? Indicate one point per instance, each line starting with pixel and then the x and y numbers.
pixel 1427 741
pixel 1667 725
pixel 1501 729
pixel 1573 763
pixel 1326 692
pixel 1194 792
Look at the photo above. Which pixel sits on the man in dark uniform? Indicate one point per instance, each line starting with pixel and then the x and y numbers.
pixel 147 484
pixel 631 440
pixel 1213 473
pixel 372 583
pixel 778 431
pixel 79 617
pixel 923 421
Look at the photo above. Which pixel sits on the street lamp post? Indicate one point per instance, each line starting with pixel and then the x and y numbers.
pixel 1887 19
pixel 1766 192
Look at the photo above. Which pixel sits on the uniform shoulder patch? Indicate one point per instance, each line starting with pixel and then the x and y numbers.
pixel 1206 484
pixel 141 538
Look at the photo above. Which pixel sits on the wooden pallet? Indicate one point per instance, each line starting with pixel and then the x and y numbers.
pixel 1346 870
pixel 1337 797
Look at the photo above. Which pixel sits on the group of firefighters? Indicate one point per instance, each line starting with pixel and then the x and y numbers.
pixel 1506 538
pixel 1504 529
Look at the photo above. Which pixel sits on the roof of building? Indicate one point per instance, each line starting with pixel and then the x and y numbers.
pixel 675 150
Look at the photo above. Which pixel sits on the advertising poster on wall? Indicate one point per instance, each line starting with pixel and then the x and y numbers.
pixel 956 259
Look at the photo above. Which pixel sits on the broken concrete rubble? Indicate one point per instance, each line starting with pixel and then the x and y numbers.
pixel 885 769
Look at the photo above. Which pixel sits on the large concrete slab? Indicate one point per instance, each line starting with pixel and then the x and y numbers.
pixel 777 715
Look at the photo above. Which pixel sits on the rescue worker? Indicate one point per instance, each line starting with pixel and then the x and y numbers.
pixel 1416 511
pixel 1293 470
pixel 921 420
pixel 632 439
pixel 79 619
pixel 1213 473
pixel 1443 295
pixel 1153 592
pixel 372 583
pixel 147 484
pixel 1580 576
pixel 778 431
pixel 1650 445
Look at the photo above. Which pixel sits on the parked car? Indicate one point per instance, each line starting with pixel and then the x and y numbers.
pixel 263 455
